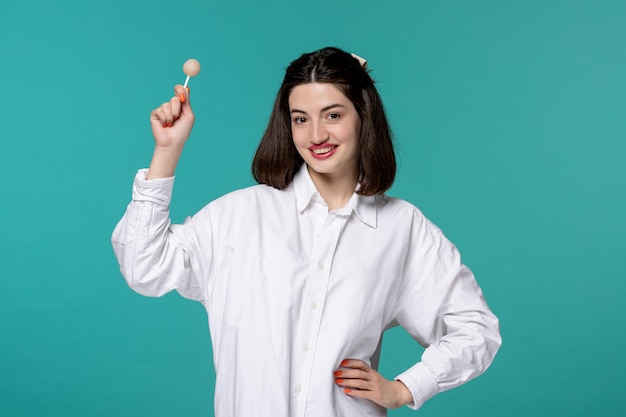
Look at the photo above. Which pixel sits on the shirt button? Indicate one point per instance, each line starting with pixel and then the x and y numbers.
pixel 313 305
pixel 298 388
pixel 305 347
pixel 320 266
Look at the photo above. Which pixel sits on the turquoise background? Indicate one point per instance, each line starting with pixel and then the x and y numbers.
pixel 510 127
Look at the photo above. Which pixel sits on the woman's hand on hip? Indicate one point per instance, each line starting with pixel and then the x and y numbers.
pixel 358 379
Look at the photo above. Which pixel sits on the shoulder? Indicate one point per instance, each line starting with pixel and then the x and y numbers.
pixel 424 240
pixel 256 197
pixel 401 213
pixel 393 206
pixel 245 209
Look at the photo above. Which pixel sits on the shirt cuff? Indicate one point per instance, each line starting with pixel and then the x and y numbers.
pixel 421 382
pixel 158 190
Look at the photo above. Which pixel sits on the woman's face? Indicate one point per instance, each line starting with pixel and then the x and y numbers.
pixel 325 127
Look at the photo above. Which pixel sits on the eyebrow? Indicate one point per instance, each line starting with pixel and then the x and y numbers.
pixel 321 111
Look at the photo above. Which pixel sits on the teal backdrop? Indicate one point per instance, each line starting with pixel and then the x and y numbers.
pixel 509 119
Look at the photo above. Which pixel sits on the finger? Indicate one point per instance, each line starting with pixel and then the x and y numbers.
pixel 182 93
pixel 185 110
pixel 167 112
pixel 355 364
pixel 163 114
pixel 175 105
pixel 359 384
pixel 159 116
pixel 353 374
pixel 367 395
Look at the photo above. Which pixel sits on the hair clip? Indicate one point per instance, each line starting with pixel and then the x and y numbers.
pixel 362 61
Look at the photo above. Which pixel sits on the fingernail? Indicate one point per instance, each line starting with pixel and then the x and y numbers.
pixel 338 373
pixel 347 390
pixel 344 362
pixel 164 124
pixel 170 124
pixel 339 380
pixel 182 98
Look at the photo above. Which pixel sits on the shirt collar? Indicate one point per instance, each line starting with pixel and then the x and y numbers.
pixel 363 206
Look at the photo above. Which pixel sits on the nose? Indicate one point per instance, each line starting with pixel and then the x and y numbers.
pixel 319 133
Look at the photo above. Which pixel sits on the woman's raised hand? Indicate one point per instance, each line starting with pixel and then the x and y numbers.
pixel 171 125
pixel 172 121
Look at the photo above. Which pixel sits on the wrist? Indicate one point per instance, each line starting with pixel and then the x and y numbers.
pixel 164 162
pixel 171 150
pixel 404 395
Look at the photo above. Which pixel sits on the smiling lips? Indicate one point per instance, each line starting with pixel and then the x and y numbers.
pixel 322 151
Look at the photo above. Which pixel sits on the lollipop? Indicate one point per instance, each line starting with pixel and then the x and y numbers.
pixel 191 68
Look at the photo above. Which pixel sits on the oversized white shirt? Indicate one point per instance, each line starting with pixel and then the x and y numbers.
pixel 292 289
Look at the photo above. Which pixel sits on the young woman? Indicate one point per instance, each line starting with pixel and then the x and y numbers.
pixel 301 275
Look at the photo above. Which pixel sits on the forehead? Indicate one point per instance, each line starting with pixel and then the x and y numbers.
pixel 313 96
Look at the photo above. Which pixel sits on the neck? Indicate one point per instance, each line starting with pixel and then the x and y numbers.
pixel 335 190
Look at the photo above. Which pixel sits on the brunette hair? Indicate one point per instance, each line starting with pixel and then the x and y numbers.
pixel 277 161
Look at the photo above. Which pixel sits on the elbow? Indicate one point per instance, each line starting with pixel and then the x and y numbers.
pixel 488 342
pixel 140 272
pixel 145 278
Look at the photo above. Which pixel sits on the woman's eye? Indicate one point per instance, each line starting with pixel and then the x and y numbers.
pixel 299 120
pixel 334 116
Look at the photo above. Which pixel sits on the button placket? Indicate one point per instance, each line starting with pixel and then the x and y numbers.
pixel 319 278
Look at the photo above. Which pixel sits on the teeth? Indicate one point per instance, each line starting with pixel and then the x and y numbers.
pixel 320 151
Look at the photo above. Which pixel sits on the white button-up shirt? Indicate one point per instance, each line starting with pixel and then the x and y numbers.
pixel 292 289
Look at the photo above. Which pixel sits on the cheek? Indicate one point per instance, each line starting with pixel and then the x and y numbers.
pixel 298 136
pixel 349 134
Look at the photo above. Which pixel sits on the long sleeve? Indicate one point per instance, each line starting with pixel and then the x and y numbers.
pixel 155 256
pixel 443 308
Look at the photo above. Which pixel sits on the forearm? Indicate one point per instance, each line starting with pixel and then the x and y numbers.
pixel 138 249
pixel 140 236
pixel 153 259
pixel 164 161
pixel 402 395
pixel 465 352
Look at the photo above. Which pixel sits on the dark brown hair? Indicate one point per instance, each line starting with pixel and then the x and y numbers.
pixel 276 160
